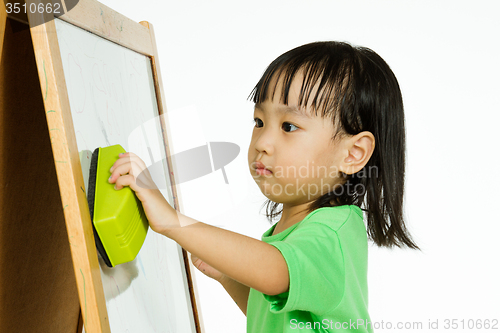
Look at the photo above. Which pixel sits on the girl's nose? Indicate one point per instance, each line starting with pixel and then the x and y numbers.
pixel 264 143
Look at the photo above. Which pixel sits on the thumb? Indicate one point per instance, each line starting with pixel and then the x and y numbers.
pixel 196 261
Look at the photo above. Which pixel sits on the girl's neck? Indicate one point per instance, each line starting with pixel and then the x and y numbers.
pixel 291 215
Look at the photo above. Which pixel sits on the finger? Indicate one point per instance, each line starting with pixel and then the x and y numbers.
pixel 197 262
pixel 119 162
pixel 194 259
pixel 120 170
pixel 127 167
pixel 122 181
pixel 124 158
pixel 127 154
pixel 133 158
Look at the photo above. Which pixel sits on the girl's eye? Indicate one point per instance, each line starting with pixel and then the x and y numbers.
pixel 287 127
pixel 258 123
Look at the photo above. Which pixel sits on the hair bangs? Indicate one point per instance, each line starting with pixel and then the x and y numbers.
pixel 325 74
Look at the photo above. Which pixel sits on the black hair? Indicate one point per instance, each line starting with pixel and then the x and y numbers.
pixel 358 90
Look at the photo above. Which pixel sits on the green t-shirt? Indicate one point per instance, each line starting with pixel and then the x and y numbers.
pixel 327 258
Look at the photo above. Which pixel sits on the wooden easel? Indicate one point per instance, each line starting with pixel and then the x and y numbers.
pixel 49 274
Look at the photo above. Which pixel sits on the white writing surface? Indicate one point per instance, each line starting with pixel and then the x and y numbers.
pixel 112 100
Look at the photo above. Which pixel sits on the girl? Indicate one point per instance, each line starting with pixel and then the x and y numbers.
pixel 329 140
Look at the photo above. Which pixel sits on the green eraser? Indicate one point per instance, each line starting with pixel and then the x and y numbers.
pixel 120 225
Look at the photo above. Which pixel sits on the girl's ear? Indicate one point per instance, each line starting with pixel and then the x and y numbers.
pixel 360 148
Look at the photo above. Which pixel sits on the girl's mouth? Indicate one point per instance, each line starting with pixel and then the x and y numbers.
pixel 261 170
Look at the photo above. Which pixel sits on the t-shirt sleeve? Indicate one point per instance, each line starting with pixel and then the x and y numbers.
pixel 315 262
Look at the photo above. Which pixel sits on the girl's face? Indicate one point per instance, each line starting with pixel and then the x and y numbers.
pixel 292 156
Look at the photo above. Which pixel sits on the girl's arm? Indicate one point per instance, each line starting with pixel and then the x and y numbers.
pixel 250 262
pixel 238 292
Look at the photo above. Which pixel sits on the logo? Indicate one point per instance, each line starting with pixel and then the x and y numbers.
pixel 197 162
pixel 188 163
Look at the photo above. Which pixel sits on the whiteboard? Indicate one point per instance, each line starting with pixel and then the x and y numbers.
pixel 112 99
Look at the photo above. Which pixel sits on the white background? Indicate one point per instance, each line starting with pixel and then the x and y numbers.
pixel 445 55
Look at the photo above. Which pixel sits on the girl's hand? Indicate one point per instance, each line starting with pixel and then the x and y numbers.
pixel 130 170
pixel 206 269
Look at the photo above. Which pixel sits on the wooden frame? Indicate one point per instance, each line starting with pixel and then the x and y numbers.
pixel 38 291
pixel 140 38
